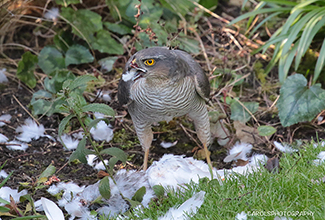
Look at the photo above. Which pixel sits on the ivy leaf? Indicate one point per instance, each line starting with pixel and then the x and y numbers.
pixel 50 59
pixel 104 188
pixel 104 43
pixel 78 54
pixel 138 195
pixel 99 107
pixel 84 22
pixel 239 113
pixel 63 40
pixel 265 130
pixel 118 28
pixel 26 67
pixel 299 103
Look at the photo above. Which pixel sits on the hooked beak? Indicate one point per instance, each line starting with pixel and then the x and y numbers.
pixel 139 71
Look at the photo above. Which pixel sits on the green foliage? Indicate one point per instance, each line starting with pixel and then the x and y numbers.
pixel 81 152
pixel 26 67
pixel 306 20
pixel 298 102
pixel 159 191
pixel 50 60
pixel 138 195
pixel 6 179
pixel 242 111
pixel 78 54
pixel 67 2
pixel 104 188
pixel 266 130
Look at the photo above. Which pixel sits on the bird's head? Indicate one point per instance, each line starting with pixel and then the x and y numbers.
pixel 155 62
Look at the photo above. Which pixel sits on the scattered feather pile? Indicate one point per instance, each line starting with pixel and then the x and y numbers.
pixel 52 211
pixel 238 152
pixel 52 14
pixel 4 119
pixel 241 216
pixel 16 145
pixel 3 174
pixel 168 144
pixel 3 77
pixel 69 142
pixel 189 207
pixel 30 130
pixel 3 138
pixel 6 192
pixel 173 171
pixel 321 158
pixel 102 132
pixel 284 148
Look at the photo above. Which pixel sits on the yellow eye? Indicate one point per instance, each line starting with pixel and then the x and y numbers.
pixel 149 62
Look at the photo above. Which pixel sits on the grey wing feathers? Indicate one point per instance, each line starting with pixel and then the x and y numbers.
pixel 123 93
pixel 202 84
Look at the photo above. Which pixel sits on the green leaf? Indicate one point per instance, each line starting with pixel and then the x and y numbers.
pixel 104 188
pixel 64 123
pixel 158 190
pixel 4 209
pixel 26 67
pixel 78 82
pixel 111 163
pixel 138 195
pixel 265 130
pixel 261 11
pixel 81 152
pixel 4 201
pixel 115 152
pixel 239 113
pixel 63 40
pixel 78 54
pixel 65 3
pixel 320 63
pixel 118 28
pixel 99 107
pixel 208 3
pixel 299 103
pixel 104 43
pixel 49 171
pixel 85 23
pixel 310 30
pixel 50 59
pixel 180 6
pixel 5 180
pixel 54 85
pixel 76 101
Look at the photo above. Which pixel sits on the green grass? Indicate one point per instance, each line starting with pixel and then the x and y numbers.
pixel 292 191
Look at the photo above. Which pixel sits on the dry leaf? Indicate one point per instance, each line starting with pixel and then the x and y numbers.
pixel 247 134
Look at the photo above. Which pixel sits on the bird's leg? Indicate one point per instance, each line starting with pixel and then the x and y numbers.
pixel 145 160
pixel 207 156
pixel 145 136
